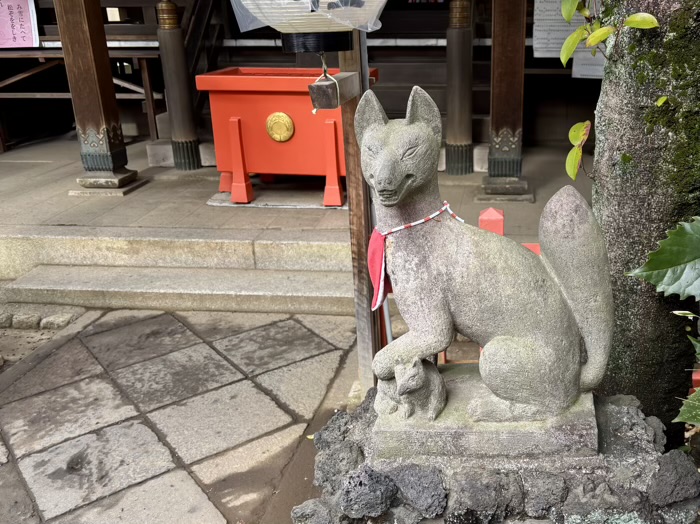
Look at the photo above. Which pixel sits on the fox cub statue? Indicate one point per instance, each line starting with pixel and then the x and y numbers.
pixel 544 322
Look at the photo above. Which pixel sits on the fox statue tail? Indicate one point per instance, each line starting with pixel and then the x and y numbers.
pixel 573 250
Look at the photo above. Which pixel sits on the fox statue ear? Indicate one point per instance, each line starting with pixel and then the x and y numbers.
pixel 422 108
pixel 369 112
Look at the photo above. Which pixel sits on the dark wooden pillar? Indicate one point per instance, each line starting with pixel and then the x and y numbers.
pixel 178 92
pixel 459 149
pixel 360 221
pixel 102 149
pixel 507 86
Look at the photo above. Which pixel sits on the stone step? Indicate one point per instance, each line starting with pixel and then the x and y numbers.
pixel 25 247
pixel 211 289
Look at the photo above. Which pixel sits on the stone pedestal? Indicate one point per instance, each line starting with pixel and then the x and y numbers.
pixel 505 189
pixel 455 437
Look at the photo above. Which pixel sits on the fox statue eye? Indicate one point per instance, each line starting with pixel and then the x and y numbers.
pixel 409 152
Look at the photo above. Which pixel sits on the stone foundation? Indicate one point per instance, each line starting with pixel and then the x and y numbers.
pixel 629 481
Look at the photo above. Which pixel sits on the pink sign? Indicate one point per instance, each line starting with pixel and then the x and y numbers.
pixel 18 27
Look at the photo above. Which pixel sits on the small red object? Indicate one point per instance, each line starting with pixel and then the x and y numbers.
pixel 696 378
pixel 493 220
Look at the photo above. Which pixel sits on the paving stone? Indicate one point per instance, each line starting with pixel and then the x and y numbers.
pixel 214 325
pixel 69 363
pixel 4 454
pixel 303 385
pixel 84 469
pixel 173 498
pixel 218 420
pixel 25 321
pixel 270 347
pixel 120 317
pixel 5 320
pixel 243 480
pixel 40 421
pixel 58 321
pixel 18 343
pixel 15 505
pixel 176 376
pixel 140 341
pixel 43 310
pixel 339 331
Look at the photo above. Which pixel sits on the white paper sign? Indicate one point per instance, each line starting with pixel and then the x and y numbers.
pixel 588 66
pixel 549 29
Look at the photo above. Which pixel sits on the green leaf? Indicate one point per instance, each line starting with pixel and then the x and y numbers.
pixel 571 43
pixel 690 412
pixel 596 25
pixel 696 345
pixel 601 35
pixel 568 9
pixel 661 101
pixel 579 133
pixel 641 21
pixel 626 158
pixel 585 12
pixel 573 161
pixel 674 268
pixel 685 314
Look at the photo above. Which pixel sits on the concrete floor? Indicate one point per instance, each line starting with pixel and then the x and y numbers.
pixel 35 180
pixel 190 417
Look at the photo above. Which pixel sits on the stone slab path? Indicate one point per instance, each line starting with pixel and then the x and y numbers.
pixel 156 417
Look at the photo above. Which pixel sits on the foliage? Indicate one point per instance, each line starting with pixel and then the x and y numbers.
pixel 594 34
pixel 675 266
pixel 690 412
pixel 578 134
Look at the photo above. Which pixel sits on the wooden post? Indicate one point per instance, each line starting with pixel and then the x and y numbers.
pixel 507 86
pixel 459 149
pixel 102 149
pixel 360 222
pixel 178 95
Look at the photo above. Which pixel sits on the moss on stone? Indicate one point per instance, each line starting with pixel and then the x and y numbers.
pixel 672 68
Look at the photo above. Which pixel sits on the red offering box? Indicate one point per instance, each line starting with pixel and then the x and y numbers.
pixel 242 99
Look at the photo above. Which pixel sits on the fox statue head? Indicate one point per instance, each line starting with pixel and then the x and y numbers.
pixel 400 156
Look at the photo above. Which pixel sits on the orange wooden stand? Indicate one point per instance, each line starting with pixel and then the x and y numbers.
pixel 241 99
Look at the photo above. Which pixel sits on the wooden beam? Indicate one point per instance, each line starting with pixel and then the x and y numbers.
pixel 150 100
pixel 360 224
pixel 29 72
pixel 94 100
pixel 39 94
pixel 324 93
pixel 507 87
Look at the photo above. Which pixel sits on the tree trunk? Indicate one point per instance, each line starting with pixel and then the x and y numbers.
pixel 646 178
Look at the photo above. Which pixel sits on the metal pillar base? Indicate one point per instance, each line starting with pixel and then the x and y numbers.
pixel 505 166
pixel 186 155
pixel 459 159
pixel 103 161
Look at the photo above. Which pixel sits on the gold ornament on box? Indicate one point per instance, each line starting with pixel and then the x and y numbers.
pixel 280 127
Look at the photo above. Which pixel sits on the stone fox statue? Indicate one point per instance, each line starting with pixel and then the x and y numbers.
pixel 544 323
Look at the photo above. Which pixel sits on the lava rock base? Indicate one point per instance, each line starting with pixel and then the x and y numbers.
pixel 630 481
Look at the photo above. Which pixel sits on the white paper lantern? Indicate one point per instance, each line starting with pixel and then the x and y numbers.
pixel 309 16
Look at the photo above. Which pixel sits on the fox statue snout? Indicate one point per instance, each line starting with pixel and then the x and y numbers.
pixel 544 323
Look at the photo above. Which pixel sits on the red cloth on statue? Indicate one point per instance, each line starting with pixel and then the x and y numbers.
pixel 376 260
